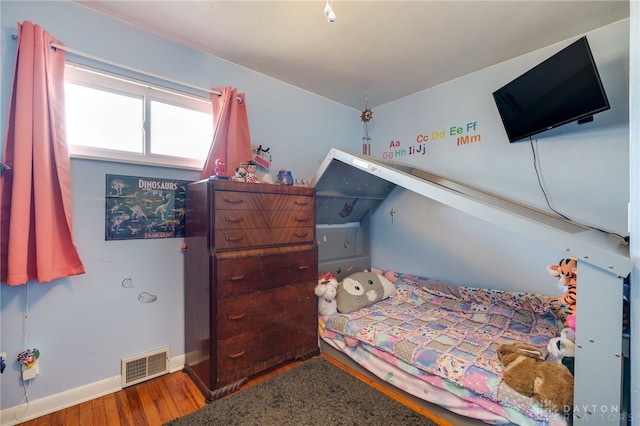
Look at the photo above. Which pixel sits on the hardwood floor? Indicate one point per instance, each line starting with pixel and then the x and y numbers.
pixel 159 400
pixel 150 403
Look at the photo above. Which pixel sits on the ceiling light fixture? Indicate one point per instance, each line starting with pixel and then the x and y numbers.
pixel 328 11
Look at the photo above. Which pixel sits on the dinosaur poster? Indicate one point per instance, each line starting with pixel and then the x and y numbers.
pixel 144 207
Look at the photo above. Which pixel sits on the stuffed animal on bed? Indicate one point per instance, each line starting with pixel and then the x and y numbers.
pixel 362 289
pixel 388 274
pixel 527 372
pixel 326 291
pixel 562 349
pixel 566 271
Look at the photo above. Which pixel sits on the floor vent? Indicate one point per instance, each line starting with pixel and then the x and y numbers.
pixel 145 366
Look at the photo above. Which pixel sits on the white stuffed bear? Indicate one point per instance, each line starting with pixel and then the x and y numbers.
pixel 562 346
pixel 326 292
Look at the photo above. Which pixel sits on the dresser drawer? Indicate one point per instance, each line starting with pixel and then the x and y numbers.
pixel 234 239
pixel 247 271
pixel 242 351
pixel 251 219
pixel 250 312
pixel 237 200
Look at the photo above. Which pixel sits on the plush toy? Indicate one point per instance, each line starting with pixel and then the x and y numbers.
pixel 562 349
pixel 241 173
pixel 363 289
pixel 549 384
pixel 388 274
pixel 566 271
pixel 326 291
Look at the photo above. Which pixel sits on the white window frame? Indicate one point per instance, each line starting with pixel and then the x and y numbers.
pixel 109 82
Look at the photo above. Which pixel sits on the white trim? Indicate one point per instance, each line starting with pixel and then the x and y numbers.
pixel 52 403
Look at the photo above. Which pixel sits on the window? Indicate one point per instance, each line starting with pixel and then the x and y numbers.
pixel 114 118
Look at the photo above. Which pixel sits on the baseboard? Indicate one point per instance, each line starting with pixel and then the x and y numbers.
pixel 39 407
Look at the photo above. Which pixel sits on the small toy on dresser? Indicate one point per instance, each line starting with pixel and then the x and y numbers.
pixel 525 371
pixel 240 173
pixel 251 176
pixel 326 291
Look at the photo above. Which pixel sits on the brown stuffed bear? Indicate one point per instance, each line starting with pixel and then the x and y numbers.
pixel 525 371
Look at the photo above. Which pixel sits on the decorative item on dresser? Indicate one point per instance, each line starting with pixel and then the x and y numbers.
pixel 251 265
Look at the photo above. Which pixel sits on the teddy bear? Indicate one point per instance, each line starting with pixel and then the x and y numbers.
pixel 527 372
pixel 562 349
pixel 566 271
pixel 326 291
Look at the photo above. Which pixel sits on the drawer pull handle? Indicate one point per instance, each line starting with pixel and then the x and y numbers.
pixel 234 219
pixel 236 317
pixel 236 355
pixel 302 299
pixel 303 267
pixel 301 234
pixel 301 203
pixel 234 200
pixel 233 239
pixel 302 218
pixel 235 277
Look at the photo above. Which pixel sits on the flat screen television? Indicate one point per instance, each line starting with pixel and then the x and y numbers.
pixel 564 88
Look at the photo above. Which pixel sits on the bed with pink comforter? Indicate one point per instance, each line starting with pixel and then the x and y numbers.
pixel 437 342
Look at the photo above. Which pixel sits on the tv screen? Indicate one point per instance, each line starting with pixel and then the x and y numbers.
pixel 564 88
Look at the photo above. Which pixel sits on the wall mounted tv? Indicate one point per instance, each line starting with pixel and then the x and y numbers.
pixel 564 88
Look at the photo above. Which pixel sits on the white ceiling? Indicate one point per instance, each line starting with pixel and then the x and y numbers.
pixel 384 50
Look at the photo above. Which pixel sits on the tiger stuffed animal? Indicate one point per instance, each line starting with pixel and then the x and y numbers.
pixel 567 272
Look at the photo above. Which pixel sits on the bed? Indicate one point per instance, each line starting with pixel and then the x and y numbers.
pixel 350 186
pixel 437 342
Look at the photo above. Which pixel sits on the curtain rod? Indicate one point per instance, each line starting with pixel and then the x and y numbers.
pixel 128 68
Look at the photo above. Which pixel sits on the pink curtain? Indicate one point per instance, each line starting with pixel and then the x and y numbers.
pixel 35 210
pixel 231 139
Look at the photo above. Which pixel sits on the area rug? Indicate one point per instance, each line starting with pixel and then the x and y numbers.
pixel 313 393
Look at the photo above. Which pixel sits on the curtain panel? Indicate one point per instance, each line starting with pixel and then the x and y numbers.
pixel 231 139
pixel 36 240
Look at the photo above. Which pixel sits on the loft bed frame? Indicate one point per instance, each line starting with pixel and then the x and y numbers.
pixel 354 184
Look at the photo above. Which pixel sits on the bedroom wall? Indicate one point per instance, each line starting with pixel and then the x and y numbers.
pixel 584 168
pixel 85 325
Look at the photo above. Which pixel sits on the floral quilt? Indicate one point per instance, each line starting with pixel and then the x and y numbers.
pixel 451 333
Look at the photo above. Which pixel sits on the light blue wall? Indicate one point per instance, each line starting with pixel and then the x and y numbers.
pixel 84 325
pixel 585 169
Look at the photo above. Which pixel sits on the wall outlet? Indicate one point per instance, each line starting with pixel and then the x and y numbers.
pixel 29 373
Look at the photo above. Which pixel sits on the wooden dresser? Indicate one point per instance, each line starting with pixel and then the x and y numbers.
pixel 251 265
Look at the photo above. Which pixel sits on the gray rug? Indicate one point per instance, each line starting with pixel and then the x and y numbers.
pixel 314 393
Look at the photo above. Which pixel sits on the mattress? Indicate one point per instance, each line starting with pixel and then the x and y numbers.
pixel 437 342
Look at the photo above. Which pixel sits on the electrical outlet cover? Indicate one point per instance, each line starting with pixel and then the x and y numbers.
pixel 29 373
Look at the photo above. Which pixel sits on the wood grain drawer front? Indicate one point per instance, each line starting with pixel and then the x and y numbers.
pixel 244 275
pixel 251 219
pixel 237 200
pixel 264 309
pixel 243 350
pixel 231 239
pixel 292 218
pixel 241 219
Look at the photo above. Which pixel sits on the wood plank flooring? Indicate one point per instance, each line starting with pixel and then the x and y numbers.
pixel 150 403
pixel 159 400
